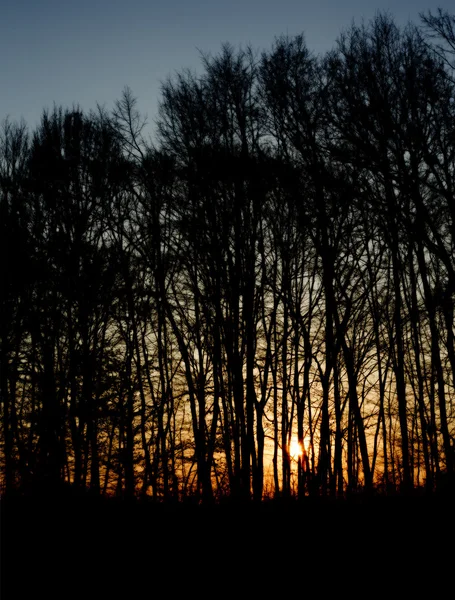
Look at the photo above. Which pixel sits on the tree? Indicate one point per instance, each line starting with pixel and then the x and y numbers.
pixel 441 26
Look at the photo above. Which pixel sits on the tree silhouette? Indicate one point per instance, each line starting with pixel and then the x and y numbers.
pixel 277 265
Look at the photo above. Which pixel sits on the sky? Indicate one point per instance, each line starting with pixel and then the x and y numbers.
pixel 84 53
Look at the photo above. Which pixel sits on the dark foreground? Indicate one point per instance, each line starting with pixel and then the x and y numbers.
pixel 85 547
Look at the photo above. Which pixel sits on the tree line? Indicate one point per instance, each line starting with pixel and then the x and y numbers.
pixel 277 264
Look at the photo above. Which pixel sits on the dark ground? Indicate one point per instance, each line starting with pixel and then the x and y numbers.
pixel 85 547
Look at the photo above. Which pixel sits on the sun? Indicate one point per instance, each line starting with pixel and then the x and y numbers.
pixel 295 449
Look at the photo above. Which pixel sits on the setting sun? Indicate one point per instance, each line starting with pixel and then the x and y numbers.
pixel 295 449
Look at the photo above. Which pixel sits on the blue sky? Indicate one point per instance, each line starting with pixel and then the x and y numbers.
pixel 86 52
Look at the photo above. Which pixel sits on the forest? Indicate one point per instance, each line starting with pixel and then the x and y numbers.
pixel 254 301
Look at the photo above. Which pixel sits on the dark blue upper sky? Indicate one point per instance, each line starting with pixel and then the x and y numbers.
pixel 85 52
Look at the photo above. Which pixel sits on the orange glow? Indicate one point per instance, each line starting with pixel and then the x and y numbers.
pixel 295 449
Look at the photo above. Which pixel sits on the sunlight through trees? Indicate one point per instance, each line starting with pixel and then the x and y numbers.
pixel 261 300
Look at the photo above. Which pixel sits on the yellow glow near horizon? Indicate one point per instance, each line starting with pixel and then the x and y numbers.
pixel 295 449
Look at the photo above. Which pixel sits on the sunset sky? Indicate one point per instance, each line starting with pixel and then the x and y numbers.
pixel 86 52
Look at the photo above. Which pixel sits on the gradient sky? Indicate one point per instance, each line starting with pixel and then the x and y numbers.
pixel 86 52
